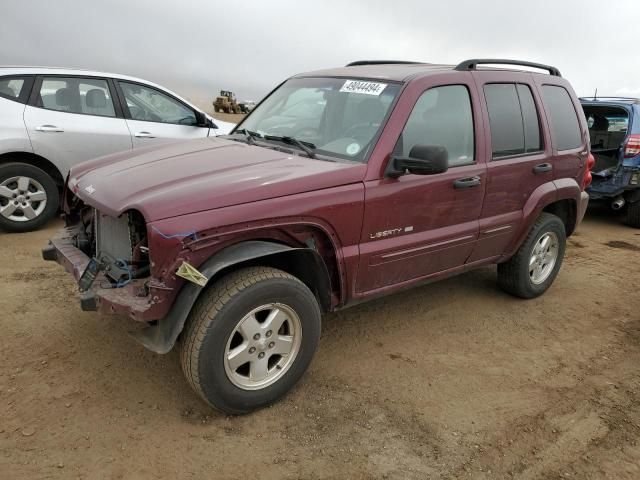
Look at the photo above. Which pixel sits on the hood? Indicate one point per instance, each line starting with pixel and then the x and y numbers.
pixel 187 177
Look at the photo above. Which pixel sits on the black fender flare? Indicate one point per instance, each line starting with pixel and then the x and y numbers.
pixel 162 336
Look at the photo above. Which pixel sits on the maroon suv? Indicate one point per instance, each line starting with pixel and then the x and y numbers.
pixel 342 185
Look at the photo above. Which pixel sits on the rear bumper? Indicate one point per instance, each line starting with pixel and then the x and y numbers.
pixel 582 207
pixel 130 300
pixel 613 185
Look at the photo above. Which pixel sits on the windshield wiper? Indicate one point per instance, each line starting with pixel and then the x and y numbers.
pixel 306 147
pixel 249 135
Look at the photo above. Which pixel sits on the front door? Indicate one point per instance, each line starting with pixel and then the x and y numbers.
pixel 72 119
pixel 156 117
pixel 418 225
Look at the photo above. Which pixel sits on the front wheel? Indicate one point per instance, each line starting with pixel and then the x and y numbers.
pixel 28 197
pixel 534 267
pixel 249 339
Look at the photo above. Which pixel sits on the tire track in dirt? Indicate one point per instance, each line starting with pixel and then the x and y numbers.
pixel 585 423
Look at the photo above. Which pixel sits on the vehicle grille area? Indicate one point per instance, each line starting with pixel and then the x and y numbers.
pixel 113 238
pixel 120 244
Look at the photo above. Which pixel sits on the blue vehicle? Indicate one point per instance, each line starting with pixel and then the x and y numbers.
pixel 614 127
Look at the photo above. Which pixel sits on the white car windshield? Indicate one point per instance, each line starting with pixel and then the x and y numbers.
pixel 333 116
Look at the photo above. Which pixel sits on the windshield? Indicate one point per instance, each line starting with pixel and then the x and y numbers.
pixel 338 117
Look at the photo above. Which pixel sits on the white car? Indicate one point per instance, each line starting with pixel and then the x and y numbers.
pixel 249 105
pixel 52 119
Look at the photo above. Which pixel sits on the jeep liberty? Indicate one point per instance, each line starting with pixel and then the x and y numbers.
pixel 340 186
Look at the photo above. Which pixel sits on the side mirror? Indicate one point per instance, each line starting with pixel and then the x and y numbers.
pixel 203 120
pixel 422 160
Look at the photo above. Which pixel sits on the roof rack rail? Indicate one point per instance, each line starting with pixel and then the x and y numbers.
pixel 605 97
pixel 381 62
pixel 474 62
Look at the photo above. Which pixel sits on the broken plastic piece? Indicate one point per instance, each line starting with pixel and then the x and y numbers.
pixel 176 235
pixel 191 273
pixel 93 268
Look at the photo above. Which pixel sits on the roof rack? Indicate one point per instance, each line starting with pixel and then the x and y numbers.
pixel 608 97
pixel 474 62
pixel 381 62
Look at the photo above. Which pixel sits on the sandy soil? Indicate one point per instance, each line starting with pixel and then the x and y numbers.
pixel 227 117
pixel 451 380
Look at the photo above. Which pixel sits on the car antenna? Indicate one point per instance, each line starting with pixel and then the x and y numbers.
pixel 595 94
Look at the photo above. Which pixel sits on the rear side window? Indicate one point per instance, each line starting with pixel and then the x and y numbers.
pixel 89 96
pixel 95 98
pixel 11 87
pixel 513 119
pixel 564 121
pixel 530 120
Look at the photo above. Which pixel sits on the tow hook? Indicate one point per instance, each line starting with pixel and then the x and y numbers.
pixel 49 253
pixel 618 202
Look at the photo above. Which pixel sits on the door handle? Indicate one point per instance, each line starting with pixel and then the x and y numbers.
pixel 466 182
pixel 543 167
pixel 49 128
pixel 144 135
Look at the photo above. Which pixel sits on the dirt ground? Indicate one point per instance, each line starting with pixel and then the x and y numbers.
pixel 227 117
pixel 450 380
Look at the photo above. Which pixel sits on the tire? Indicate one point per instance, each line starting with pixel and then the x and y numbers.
pixel 13 197
pixel 515 276
pixel 216 325
pixel 633 215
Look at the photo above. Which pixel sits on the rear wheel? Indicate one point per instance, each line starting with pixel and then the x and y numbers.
pixel 534 267
pixel 633 215
pixel 250 338
pixel 28 197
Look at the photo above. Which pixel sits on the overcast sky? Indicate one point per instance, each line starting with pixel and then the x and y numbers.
pixel 197 47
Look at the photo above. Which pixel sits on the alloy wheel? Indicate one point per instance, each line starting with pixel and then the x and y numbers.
pixel 543 257
pixel 263 346
pixel 22 199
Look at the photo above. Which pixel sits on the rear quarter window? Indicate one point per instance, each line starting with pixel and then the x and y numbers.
pixel 12 88
pixel 565 128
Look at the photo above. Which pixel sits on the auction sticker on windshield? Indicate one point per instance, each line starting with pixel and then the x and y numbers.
pixel 358 86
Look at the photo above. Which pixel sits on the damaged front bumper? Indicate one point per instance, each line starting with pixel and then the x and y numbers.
pixel 132 299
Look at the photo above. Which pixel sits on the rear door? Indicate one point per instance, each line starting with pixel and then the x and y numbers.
pixel 520 156
pixel 14 92
pixel 154 116
pixel 71 119
pixel 418 225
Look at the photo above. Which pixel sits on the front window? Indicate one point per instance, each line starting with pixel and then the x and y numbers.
pixel 334 116
pixel 442 116
pixel 149 105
